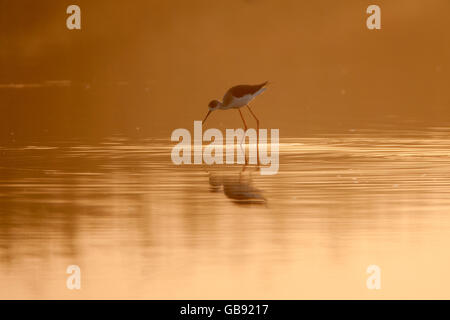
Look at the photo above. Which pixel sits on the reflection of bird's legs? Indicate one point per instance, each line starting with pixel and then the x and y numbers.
pixel 257 133
pixel 243 137
pixel 242 171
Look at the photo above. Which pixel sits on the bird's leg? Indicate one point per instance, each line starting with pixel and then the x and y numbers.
pixel 245 125
pixel 257 133
pixel 243 137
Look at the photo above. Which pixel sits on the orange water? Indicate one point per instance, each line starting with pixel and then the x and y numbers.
pixel 140 227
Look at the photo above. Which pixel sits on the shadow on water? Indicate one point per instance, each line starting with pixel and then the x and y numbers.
pixel 237 185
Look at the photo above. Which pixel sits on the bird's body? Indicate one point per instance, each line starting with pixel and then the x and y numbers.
pixel 237 97
pixel 241 95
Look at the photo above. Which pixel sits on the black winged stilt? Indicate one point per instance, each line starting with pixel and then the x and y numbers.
pixel 237 97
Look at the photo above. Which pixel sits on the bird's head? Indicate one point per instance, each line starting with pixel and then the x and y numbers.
pixel 213 105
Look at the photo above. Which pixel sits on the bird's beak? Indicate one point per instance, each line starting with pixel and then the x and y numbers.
pixel 203 122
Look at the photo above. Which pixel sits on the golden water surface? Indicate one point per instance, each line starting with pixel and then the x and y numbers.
pixel 140 227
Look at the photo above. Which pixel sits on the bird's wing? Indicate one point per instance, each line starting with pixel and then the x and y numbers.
pixel 242 90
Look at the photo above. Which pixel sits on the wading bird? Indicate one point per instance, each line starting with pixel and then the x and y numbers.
pixel 236 98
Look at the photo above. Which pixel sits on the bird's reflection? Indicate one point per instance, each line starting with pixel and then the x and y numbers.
pixel 236 186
